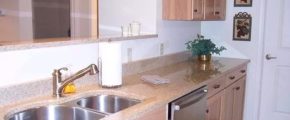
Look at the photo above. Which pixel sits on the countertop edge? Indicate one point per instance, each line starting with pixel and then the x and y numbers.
pixel 34 45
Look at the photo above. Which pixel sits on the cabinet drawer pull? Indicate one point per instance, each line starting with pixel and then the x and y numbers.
pixel 238 88
pixel 207 111
pixel 216 86
pixel 195 10
pixel 232 77
pixel 243 71
pixel 217 12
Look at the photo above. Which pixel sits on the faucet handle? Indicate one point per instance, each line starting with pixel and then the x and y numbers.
pixel 57 72
pixel 62 69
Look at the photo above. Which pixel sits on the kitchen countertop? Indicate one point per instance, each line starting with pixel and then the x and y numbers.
pixel 54 42
pixel 184 77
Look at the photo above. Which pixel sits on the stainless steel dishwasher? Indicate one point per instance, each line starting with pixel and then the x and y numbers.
pixel 189 107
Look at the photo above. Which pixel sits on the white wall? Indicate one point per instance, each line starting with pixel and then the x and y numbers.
pixel 221 32
pixel 35 64
pixel 116 13
pixel 173 34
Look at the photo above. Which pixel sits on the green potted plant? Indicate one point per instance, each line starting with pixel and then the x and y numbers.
pixel 203 48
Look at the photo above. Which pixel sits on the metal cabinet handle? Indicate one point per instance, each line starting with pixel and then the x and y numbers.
pixel 232 77
pixel 217 12
pixel 243 71
pixel 216 86
pixel 195 10
pixel 238 88
pixel 269 57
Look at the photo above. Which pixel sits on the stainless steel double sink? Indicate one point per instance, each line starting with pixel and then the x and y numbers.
pixel 89 108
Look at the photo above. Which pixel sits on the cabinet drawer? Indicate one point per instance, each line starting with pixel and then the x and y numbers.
pixel 235 75
pixel 216 86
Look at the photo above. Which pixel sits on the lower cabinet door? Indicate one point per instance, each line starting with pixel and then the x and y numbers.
pixel 235 100
pixel 215 110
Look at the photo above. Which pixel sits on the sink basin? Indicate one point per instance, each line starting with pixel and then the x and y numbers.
pixel 55 112
pixel 107 103
pixel 89 108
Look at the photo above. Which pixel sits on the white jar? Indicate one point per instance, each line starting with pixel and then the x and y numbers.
pixel 135 28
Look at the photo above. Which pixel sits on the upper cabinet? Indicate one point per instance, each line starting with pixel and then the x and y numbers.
pixel 194 9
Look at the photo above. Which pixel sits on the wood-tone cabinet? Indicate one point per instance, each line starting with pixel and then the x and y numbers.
pixel 214 9
pixel 215 110
pixel 197 10
pixel 234 99
pixel 226 102
pixel 194 9
pixel 225 98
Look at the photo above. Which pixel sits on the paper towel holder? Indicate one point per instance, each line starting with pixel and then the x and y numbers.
pixel 100 80
pixel 100 71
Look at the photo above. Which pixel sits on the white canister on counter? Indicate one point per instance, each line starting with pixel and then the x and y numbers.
pixel 135 28
pixel 110 54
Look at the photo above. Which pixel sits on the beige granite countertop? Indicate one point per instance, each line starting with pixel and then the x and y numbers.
pixel 54 42
pixel 184 77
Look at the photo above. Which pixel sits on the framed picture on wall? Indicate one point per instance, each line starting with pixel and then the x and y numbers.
pixel 243 3
pixel 242 27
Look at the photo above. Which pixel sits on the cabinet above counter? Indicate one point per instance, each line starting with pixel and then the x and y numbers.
pixel 196 10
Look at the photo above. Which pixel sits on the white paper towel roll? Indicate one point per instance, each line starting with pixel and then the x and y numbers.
pixel 110 54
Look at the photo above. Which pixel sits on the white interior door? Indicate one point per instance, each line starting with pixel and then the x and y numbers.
pixel 275 99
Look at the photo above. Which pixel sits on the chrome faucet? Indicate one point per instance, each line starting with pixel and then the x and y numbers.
pixel 58 84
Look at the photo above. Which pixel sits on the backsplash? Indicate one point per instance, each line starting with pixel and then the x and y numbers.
pixel 44 87
pixel 37 88
pixel 152 63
